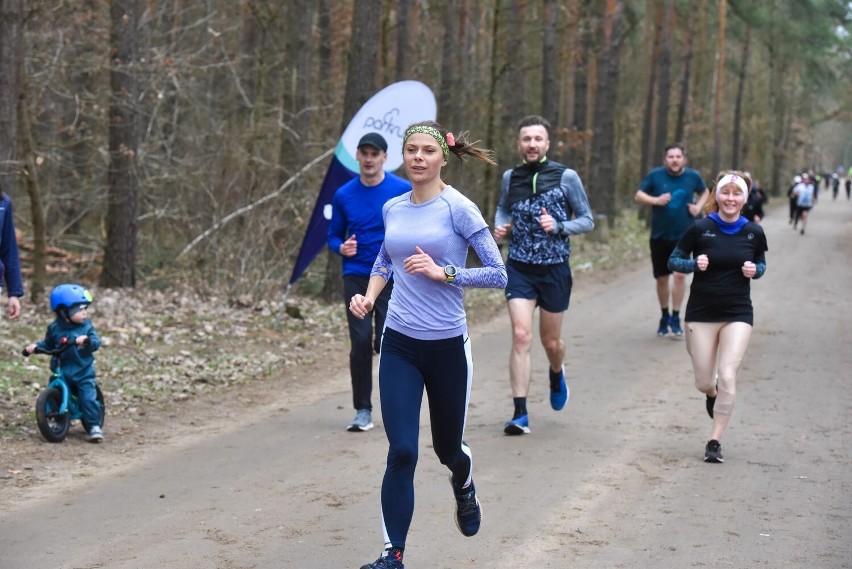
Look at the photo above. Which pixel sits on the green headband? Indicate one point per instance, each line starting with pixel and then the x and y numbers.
pixel 431 131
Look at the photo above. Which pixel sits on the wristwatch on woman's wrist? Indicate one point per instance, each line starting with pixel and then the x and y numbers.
pixel 449 274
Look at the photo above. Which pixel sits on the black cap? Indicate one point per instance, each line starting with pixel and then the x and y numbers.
pixel 375 140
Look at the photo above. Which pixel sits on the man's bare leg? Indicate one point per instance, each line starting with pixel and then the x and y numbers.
pixel 520 361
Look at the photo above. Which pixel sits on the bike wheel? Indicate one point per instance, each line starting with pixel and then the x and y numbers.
pixel 101 409
pixel 52 424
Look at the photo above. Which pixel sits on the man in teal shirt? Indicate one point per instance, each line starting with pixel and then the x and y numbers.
pixel 677 195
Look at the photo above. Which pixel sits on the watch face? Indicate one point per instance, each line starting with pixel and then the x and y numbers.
pixel 450 271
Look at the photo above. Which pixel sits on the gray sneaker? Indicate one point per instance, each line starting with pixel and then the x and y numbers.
pixel 363 421
pixel 96 435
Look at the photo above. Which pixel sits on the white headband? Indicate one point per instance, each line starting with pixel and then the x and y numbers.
pixel 732 179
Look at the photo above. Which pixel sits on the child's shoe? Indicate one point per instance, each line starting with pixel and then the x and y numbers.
pixel 96 435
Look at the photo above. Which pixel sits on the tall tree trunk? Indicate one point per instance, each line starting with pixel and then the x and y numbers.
pixel 363 54
pixel 549 75
pixel 514 87
pixel 302 84
pixel 296 91
pixel 11 69
pixel 698 124
pixel 686 77
pixel 251 36
pixel 37 281
pixel 719 89
pixel 664 87
pixel 325 39
pixel 75 134
pixel 492 129
pixel 778 70
pixel 578 146
pixel 360 85
pixel 251 84
pixel 119 268
pixel 447 102
pixel 602 178
pixel 647 144
pixel 403 16
pixel 738 105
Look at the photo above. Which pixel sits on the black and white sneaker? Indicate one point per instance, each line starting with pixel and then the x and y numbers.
pixel 387 561
pixel 713 451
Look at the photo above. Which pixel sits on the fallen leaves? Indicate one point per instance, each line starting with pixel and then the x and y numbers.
pixel 162 348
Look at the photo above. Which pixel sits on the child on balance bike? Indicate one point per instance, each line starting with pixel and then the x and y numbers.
pixel 70 303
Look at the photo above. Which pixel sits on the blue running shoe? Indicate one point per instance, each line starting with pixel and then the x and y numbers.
pixel 663 330
pixel 674 323
pixel 386 561
pixel 517 426
pixel 468 510
pixel 558 390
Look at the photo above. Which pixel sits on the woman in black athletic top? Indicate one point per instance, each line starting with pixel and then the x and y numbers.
pixel 725 251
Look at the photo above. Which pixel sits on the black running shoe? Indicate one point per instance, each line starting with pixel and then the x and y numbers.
pixel 386 561
pixel 711 402
pixel 468 511
pixel 713 451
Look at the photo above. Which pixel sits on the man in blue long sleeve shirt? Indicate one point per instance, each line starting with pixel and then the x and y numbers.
pixel 356 233
pixel 10 264
pixel 542 203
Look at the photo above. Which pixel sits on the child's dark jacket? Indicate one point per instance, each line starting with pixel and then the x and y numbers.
pixel 77 363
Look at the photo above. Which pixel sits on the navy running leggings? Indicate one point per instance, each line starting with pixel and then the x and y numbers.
pixel 406 367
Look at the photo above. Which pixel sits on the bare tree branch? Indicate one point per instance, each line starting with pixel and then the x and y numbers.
pixel 238 212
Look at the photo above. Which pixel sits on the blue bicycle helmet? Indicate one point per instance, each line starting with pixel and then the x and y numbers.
pixel 67 296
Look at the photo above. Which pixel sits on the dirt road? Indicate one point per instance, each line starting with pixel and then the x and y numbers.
pixel 614 480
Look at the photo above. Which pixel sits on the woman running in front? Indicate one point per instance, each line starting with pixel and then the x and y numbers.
pixel 727 251
pixel 425 345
